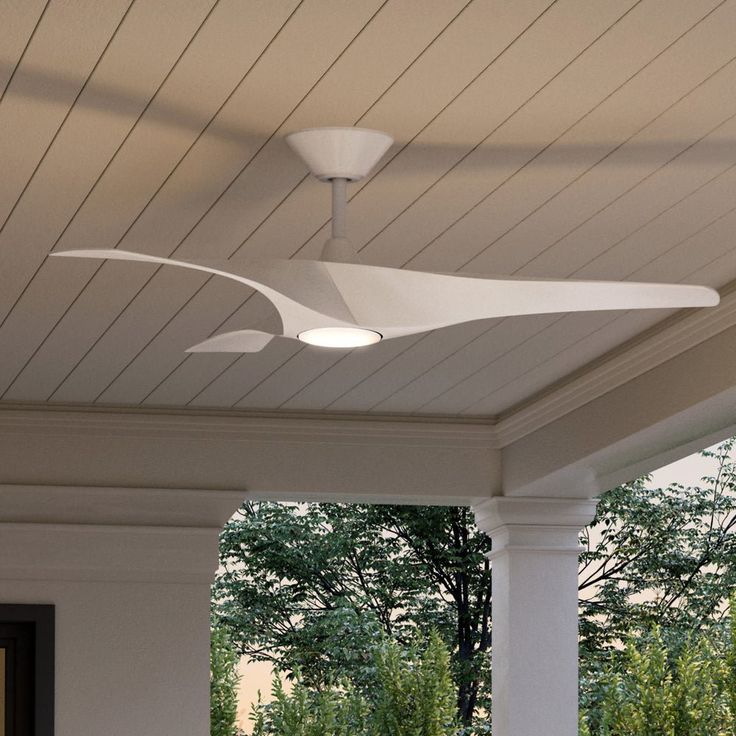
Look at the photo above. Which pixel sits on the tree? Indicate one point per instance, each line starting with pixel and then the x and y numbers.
pixel 223 683
pixel 652 689
pixel 660 556
pixel 314 587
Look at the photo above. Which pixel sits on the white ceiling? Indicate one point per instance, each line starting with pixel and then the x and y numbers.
pixel 571 138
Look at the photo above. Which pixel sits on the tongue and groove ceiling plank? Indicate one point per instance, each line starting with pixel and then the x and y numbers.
pixel 614 177
pixel 540 138
pixel 120 90
pixel 665 214
pixel 172 179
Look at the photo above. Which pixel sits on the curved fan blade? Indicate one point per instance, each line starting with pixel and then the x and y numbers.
pixel 301 291
pixel 396 302
pixel 240 341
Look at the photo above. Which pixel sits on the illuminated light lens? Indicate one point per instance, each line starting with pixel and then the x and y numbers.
pixel 340 337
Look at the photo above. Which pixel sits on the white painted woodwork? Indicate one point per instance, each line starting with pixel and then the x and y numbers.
pixel 113 516
pixel 131 599
pixel 535 612
pixel 562 139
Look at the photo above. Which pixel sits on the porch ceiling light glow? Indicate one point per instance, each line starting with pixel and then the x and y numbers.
pixel 340 337
pixel 338 302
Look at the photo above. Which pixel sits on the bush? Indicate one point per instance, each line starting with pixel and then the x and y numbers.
pixel 223 683
pixel 413 695
pixel 658 689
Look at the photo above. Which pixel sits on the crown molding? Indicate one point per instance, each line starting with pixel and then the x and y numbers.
pixel 646 351
pixel 307 427
pixel 264 456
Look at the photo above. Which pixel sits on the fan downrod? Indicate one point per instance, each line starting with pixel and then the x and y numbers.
pixel 339 156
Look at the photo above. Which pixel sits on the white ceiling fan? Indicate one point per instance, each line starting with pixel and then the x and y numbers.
pixel 337 302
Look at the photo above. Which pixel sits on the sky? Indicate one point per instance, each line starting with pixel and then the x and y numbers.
pixel 687 471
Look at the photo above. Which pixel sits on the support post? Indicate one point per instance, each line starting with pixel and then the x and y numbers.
pixel 535 612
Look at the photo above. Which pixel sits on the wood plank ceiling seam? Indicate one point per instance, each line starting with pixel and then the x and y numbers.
pixel 545 148
pixel 11 210
pixel 89 83
pixel 603 322
pixel 730 169
pixel 596 117
pixel 630 273
pixel 607 322
pixel 603 201
pixel 102 172
pixel 234 253
pixel 550 321
pixel 332 360
pixel 357 122
pixel 12 59
pixel 503 389
pixel 657 56
pixel 298 350
pixel 338 359
pixel 235 5
pixel 386 162
pixel 372 104
pixel 540 152
pixel 689 276
pixel 8 386
pixel 371 17
pixel 604 158
pixel 398 148
pixel 187 303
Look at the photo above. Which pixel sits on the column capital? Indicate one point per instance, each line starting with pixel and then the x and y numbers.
pixel 534 524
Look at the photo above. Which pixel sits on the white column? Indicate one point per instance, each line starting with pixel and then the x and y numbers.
pixel 535 612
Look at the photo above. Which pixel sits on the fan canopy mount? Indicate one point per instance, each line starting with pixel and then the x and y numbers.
pixel 340 153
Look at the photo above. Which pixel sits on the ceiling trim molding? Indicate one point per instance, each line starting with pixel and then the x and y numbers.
pixel 43 419
pixel 634 358
pixel 263 457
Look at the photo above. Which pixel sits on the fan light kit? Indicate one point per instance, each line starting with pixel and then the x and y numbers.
pixel 338 302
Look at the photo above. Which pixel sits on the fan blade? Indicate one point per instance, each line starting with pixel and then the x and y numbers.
pixel 240 341
pixel 399 302
pixel 395 302
pixel 301 291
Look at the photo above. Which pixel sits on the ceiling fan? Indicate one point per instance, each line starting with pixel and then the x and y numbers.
pixel 338 302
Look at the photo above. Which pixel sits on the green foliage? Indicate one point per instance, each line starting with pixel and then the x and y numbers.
pixel 729 664
pixel 314 587
pixel 656 690
pixel 223 683
pixel 414 695
pixel 659 557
